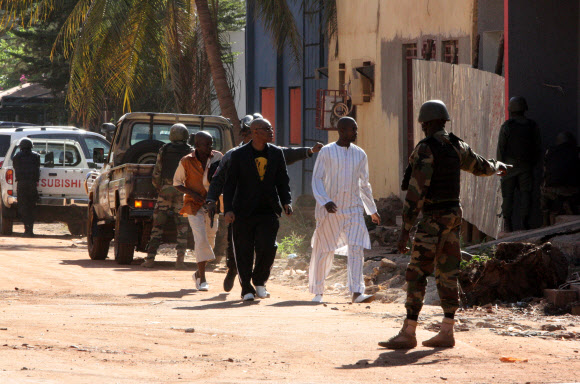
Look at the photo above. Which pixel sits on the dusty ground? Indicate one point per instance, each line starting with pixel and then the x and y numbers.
pixel 67 319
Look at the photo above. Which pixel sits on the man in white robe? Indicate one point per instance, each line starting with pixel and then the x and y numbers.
pixel 340 184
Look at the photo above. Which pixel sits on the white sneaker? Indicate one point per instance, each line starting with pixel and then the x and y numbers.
pixel 198 284
pixel 317 299
pixel 248 297
pixel 204 286
pixel 362 298
pixel 261 292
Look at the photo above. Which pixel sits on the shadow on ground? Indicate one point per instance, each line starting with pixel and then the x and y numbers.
pixel 295 303
pixel 134 266
pixel 152 295
pixel 398 358
pixel 221 305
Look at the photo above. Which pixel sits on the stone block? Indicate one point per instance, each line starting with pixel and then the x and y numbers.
pixel 560 297
pixel 576 310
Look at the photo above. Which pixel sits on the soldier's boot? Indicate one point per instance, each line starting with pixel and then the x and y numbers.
pixel 507 225
pixel 405 339
pixel 149 261
pixel 180 262
pixel 444 339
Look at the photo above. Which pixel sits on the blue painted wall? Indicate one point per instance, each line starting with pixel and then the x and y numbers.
pixel 266 69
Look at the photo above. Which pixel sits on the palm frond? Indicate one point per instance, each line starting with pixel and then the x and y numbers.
pixel 14 12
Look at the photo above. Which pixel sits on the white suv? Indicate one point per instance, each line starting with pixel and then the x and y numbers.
pixel 62 196
pixel 87 140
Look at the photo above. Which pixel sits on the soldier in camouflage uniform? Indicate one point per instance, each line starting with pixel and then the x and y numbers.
pixel 169 200
pixel 433 188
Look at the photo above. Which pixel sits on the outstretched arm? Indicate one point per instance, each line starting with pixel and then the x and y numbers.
pixel 473 163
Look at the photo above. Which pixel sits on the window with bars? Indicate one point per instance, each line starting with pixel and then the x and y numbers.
pixel 429 51
pixel 450 52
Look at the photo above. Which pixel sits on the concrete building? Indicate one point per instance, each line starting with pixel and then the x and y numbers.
pixel 378 43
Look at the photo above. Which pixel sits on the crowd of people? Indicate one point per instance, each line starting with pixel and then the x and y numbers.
pixel 254 181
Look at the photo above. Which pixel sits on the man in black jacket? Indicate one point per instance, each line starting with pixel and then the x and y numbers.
pixel 27 171
pixel 291 155
pixel 257 187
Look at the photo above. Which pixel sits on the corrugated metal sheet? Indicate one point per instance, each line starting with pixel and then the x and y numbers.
pixel 475 100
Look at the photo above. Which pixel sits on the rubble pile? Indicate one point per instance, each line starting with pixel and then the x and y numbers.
pixel 389 208
pixel 518 271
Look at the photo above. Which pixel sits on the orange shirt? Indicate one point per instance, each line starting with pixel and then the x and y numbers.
pixel 192 175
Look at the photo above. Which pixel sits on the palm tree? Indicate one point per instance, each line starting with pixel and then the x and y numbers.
pixel 115 46
pixel 108 40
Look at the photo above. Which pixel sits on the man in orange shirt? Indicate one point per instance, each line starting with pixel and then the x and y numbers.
pixel 191 178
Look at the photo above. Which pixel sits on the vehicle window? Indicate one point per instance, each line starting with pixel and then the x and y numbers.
pixel 55 154
pixel 4 144
pixel 96 142
pixel 140 132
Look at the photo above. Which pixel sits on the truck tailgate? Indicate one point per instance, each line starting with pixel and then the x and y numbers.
pixel 61 182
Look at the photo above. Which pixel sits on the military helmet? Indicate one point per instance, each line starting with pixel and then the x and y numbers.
pixel 246 121
pixel 178 132
pixel 25 143
pixel 517 104
pixel 257 116
pixel 433 110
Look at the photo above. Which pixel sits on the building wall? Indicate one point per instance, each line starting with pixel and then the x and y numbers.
pixel 266 69
pixel 544 62
pixel 490 28
pixel 238 41
pixel 543 66
pixel 377 33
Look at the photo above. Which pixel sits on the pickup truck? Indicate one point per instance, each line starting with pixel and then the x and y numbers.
pixel 62 198
pixel 122 196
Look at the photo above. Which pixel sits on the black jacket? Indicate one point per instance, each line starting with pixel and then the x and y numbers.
pixel 243 188
pixel 291 155
pixel 26 165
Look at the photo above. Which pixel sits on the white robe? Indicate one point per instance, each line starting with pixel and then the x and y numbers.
pixel 341 175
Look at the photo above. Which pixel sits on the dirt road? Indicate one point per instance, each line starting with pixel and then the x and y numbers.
pixel 67 319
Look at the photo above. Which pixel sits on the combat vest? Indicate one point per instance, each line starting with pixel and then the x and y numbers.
pixel 445 182
pixel 171 154
pixel 26 166
pixel 520 147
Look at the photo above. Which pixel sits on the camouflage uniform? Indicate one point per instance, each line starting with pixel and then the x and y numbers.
pixel 436 243
pixel 169 203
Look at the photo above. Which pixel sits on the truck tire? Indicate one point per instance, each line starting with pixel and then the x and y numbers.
pixel 98 246
pixel 6 221
pixel 144 152
pixel 123 250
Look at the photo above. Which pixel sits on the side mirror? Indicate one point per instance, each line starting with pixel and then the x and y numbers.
pixel 107 129
pixel 99 155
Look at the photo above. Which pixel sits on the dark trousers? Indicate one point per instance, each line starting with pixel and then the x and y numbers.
pixel 523 180
pixel 230 260
pixel 255 234
pixel 27 196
